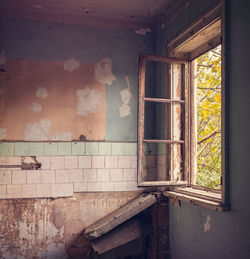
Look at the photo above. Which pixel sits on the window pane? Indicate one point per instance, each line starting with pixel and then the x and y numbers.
pixel 157 165
pixel 157 84
pixel 158 123
pixel 208 103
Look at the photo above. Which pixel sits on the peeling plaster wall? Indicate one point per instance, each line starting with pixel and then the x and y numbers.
pixel 197 232
pixel 51 228
pixel 65 81
pixel 70 58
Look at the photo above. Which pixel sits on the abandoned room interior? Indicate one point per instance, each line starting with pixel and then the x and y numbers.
pixel 124 129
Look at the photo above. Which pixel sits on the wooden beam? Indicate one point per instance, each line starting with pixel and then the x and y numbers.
pixel 161 100
pixel 128 231
pixel 164 59
pixel 119 216
pixel 218 206
pixel 206 194
pixel 162 183
pixel 166 141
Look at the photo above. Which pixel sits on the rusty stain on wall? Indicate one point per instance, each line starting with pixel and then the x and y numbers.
pixel 51 228
pixel 49 85
pixel 103 72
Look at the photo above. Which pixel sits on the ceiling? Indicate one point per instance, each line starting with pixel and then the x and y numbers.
pixel 130 11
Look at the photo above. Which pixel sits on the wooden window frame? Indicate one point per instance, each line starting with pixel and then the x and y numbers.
pixel 142 99
pixel 186 190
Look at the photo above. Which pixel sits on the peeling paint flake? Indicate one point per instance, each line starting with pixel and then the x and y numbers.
pixel 88 101
pixel 143 31
pixel 41 92
pixel 125 110
pixel 103 72
pixel 3 133
pixel 207 225
pixel 35 107
pixel 37 131
pixel 71 65
pixel 126 95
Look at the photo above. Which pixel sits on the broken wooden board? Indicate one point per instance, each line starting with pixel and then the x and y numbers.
pixel 128 231
pixel 119 216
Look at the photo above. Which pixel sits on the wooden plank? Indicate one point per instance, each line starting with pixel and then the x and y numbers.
pixel 205 47
pixel 218 206
pixel 163 183
pixel 207 189
pixel 161 100
pixel 126 232
pixel 140 126
pixel 167 141
pixel 164 59
pixel 119 216
pixel 195 28
pixel 208 195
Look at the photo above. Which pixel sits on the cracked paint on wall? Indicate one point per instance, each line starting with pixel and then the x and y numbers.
pixel 88 101
pixel 103 72
pixel 71 65
pixel 51 228
pixel 207 224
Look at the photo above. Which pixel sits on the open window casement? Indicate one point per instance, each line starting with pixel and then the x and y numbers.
pixel 167 115
pixel 162 121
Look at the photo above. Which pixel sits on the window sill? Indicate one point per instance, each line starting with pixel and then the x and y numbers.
pixel 207 199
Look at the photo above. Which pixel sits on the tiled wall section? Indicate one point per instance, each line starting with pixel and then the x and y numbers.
pixel 67 167
pixel 66 148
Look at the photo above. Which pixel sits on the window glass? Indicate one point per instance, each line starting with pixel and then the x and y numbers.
pixel 208 124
